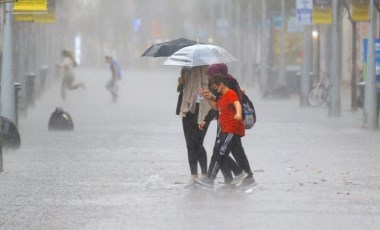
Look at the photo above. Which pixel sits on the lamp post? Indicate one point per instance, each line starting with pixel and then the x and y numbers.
pixel 370 119
pixel 263 51
pixel 334 107
pixel 7 88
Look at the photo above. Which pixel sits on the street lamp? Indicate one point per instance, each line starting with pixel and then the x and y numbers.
pixel 315 34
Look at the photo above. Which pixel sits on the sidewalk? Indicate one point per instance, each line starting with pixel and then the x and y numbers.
pixel 125 165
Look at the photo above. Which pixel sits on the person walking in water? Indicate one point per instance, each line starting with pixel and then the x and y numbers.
pixel 112 85
pixel 231 130
pixel 68 64
pixel 192 109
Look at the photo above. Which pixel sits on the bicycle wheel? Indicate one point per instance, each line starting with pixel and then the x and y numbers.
pixel 317 96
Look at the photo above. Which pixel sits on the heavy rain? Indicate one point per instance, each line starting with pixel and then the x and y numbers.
pixel 103 102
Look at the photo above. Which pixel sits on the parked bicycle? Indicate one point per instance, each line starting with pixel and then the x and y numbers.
pixel 320 92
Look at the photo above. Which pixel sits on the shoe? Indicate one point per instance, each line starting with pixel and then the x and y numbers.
pixel 239 177
pixel 247 183
pixel 205 181
pixel 226 187
pixel 191 183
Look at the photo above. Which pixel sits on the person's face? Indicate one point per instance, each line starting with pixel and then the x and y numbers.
pixel 214 88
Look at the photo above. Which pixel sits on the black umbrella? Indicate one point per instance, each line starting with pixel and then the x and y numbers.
pixel 166 49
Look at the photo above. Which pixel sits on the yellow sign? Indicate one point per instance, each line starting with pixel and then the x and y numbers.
pixel 23 17
pixel 49 17
pixel 41 17
pixel 45 18
pixel 30 5
pixel 322 12
pixel 360 10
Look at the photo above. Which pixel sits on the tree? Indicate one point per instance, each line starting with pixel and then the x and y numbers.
pixel 354 104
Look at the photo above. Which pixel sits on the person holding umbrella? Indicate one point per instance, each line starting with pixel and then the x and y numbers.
pixel 193 109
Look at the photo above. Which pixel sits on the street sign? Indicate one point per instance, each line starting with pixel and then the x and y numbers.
pixel 30 5
pixel 322 12
pixel 360 10
pixel 304 9
pixel 377 61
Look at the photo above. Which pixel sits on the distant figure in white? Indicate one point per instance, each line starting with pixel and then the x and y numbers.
pixel 112 85
pixel 68 64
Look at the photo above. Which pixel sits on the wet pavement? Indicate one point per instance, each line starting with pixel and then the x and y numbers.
pixel 125 165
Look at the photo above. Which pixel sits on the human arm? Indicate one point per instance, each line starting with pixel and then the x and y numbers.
pixel 63 63
pixel 238 116
pixel 211 98
pixel 181 82
pixel 211 115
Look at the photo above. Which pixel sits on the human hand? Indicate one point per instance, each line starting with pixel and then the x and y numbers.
pixel 207 94
pixel 201 125
pixel 181 81
pixel 238 117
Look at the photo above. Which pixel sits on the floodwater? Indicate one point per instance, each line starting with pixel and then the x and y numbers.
pixel 125 165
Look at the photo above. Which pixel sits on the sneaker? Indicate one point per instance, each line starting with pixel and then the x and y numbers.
pixel 247 183
pixel 226 187
pixel 239 177
pixel 205 181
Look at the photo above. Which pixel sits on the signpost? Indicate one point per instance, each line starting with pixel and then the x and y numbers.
pixel 304 17
pixel 322 12
pixel 360 10
pixel 304 9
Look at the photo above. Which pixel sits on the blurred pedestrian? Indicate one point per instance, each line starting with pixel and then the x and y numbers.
pixel 112 84
pixel 68 64
pixel 192 109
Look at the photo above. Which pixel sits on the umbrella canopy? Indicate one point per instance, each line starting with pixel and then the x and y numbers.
pixel 199 55
pixel 165 49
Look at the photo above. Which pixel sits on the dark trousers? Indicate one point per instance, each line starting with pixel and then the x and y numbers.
pixel 224 144
pixel 194 142
pixel 238 152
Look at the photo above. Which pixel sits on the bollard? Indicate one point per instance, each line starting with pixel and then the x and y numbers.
pixel 17 90
pixel 30 88
pixel 43 77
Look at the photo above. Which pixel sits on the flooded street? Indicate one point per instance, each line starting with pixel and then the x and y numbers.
pixel 125 165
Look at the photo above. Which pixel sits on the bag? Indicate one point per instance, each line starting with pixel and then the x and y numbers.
pixel 249 112
pixel 179 103
pixel 60 120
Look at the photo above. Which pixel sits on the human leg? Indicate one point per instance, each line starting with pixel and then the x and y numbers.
pixel 111 87
pixel 218 160
pixel 67 82
pixel 76 86
pixel 188 130
pixel 202 153
pixel 238 152
pixel 63 89
pixel 233 166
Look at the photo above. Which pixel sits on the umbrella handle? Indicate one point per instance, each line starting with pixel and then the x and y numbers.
pixel 200 69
